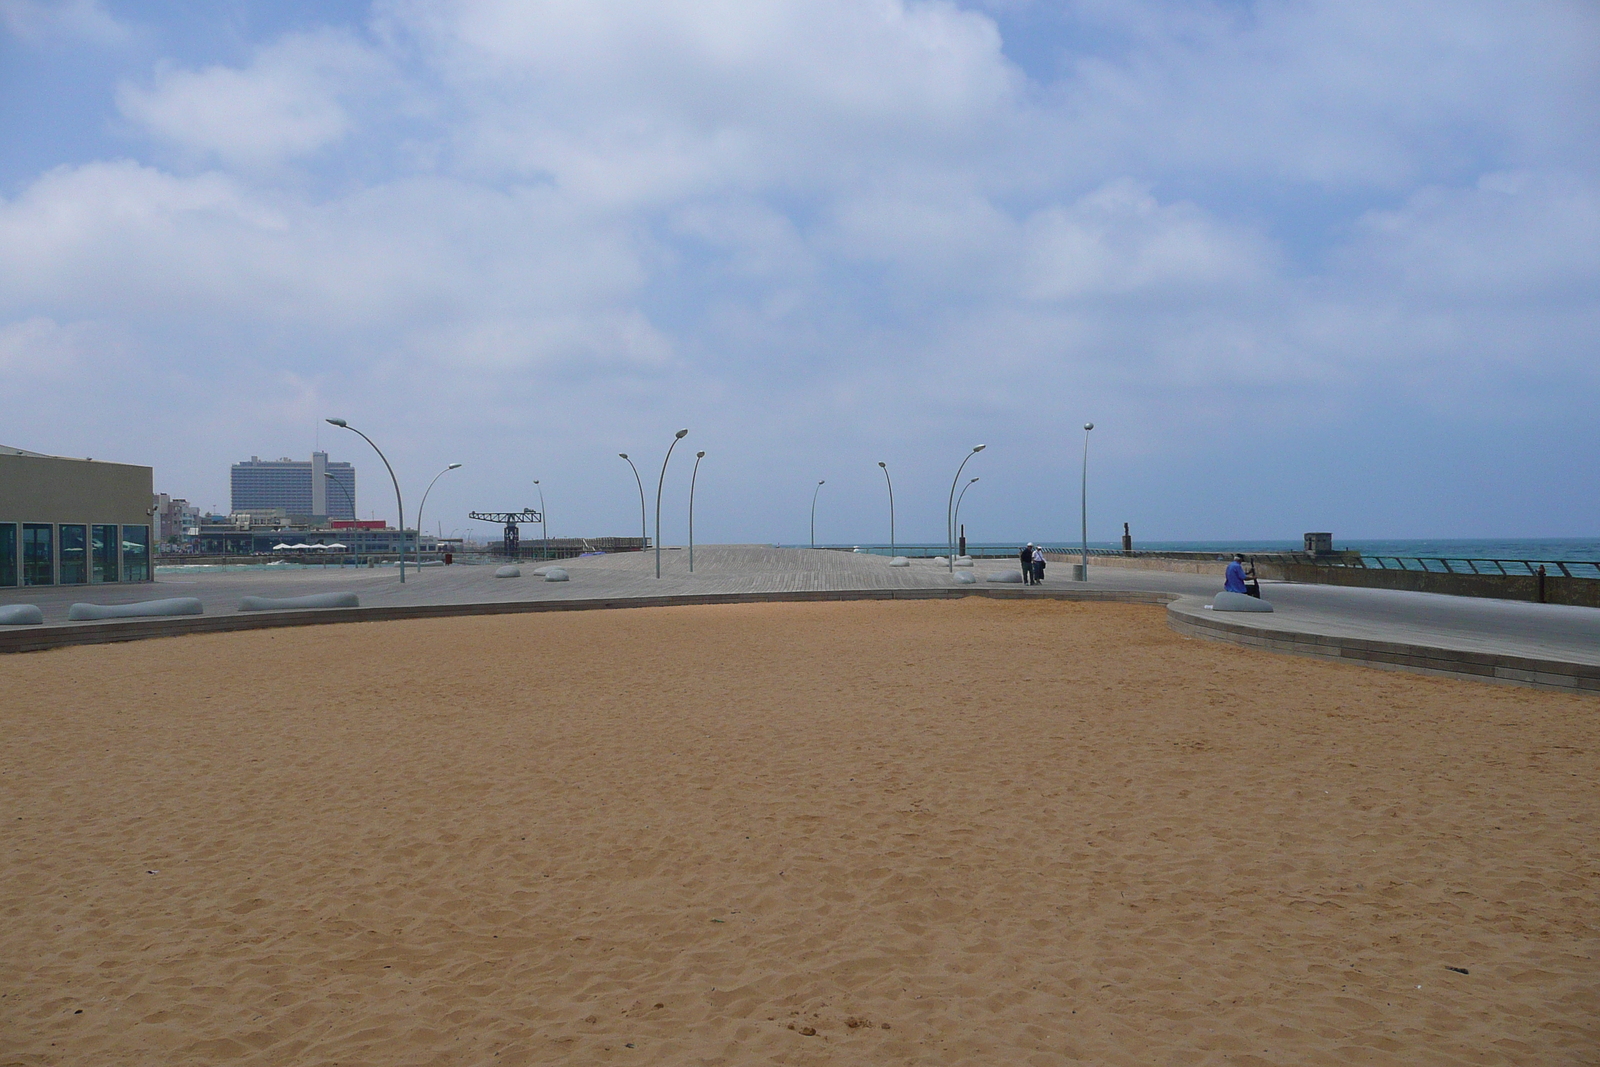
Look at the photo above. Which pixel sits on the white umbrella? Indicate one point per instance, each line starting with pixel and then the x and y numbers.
pixel 280 546
pixel 334 545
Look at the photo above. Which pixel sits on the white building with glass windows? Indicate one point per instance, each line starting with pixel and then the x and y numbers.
pixel 295 487
pixel 72 521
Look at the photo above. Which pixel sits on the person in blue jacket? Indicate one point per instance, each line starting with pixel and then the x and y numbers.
pixel 1233 581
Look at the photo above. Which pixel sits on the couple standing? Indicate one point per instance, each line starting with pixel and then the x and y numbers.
pixel 1032 560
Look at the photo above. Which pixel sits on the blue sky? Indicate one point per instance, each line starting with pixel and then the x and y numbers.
pixel 1326 266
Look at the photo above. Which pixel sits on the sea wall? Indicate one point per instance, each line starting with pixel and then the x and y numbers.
pixel 1577 592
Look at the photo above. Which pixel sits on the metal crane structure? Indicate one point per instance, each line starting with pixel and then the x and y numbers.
pixel 511 519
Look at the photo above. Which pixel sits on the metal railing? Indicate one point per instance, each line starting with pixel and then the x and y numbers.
pixel 1525 568
pixel 1468 565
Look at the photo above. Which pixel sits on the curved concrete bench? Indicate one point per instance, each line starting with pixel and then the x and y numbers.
pixel 1005 576
pixel 556 574
pixel 508 572
pixel 965 577
pixel 1226 601
pixel 963 561
pixel 291 603
pixel 21 615
pixel 178 605
pixel 900 561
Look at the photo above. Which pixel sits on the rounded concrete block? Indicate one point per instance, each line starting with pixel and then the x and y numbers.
pixel 1226 601
pixel 178 605
pixel 538 572
pixel 965 577
pixel 900 561
pixel 292 603
pixel 940 560
pixel 21 615
pixel 963 561
pixel 508 572
pixel 556 574
pixel 1005 576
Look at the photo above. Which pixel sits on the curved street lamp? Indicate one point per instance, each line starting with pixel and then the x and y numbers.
pixel 644 531
pixel 680 435
pixel 1084 503
pixel 959 499
pixel 424 504
pixel 329 475
pixel 886 478
pixel 698 456
pixel 949 507
pixel 399 505
pixel 814 493
pixel 544 523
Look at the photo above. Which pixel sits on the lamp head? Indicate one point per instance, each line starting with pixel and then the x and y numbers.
pixel 681 434
pixel 536 481
pixel 973 480
pixel 1088 426
pixel 882 464
pixel 823 482
pixel 700 455
pixel 624 455
pixel 979 448
pixel 326 474
pixel 452 466
pixel 338 422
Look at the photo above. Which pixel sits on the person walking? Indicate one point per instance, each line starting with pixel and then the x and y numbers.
pixel 1025 558
pixel 1038 565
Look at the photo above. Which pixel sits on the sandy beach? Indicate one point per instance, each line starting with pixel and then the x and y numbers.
pixel 944 832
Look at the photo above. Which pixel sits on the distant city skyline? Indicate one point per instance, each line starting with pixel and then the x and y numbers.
pixel 1305 266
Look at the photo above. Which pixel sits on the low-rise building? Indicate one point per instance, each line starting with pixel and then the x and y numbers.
pixel 176 519
pixel 67 521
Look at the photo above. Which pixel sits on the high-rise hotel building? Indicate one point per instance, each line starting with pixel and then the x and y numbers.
pixel 295 486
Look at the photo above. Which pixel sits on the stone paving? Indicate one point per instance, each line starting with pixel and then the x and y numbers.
pixel 1460 623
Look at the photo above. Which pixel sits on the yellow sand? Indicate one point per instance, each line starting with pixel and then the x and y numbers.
pixel 968 832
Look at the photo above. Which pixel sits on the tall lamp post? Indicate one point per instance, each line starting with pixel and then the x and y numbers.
pixel 886 478
pixel 680 435
pixel 424 504
pixel 949 507
pixel 1084 503
pixel 544 523
pixel 644 531
pixel 399 505
pixel 959 499
pixel 698 456
pixel 329 475
pixel 814 493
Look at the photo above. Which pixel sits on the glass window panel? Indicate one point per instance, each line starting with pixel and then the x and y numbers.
pixel 8 553
pixel 136 553
pixel 37 557
pixel 104 548
pixel 74 554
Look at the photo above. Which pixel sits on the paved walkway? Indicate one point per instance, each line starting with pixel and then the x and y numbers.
pixel 1338 614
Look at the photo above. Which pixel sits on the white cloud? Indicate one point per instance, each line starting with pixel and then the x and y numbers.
pixel 41 348
pixel 826 226
pixel 1120 240
pixel 640 102
pixel 1339 94
pixel 41 21
pixel 1508 237
pixel 288 103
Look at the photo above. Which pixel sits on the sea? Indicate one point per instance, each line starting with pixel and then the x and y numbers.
pixel 1563 549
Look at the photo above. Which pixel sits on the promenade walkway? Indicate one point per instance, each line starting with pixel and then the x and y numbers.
pixel 1538 644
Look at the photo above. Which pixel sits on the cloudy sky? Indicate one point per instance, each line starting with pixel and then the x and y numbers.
pixel 1306 266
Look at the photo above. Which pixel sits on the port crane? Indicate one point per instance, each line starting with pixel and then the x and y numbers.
pixel 510 519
